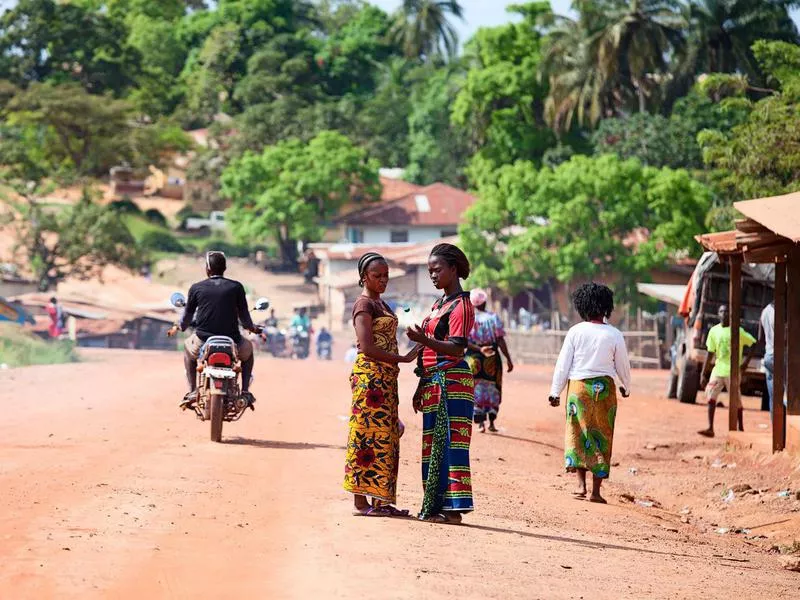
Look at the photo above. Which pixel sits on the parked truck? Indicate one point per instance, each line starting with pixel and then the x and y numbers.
pixel 214 222
pixel 706 291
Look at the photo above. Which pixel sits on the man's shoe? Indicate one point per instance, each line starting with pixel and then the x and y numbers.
pixel 188 400
pixel 249 399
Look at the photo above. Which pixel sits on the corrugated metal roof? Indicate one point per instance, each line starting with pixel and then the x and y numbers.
pixel 780 214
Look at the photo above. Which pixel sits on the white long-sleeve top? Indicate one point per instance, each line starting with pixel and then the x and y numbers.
pixel 592 350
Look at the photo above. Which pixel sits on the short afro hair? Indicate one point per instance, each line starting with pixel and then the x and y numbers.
pixel 216 263
pixel 454 257
pixel 593 301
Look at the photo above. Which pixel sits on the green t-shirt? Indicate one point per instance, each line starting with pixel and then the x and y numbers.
pixel 719 342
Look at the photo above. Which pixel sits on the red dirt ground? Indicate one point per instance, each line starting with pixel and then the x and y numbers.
pixel 108 491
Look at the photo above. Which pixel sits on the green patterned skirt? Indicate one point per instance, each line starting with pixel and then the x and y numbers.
pixel 591 412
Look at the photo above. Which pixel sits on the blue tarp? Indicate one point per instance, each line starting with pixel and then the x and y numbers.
pixel 14 313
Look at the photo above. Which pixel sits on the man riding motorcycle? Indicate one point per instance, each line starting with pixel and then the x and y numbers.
pixel 216 306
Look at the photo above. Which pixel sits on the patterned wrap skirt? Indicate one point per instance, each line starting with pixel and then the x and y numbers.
pixel 488 374
pixel 591 412
pixel 447 409
pixel 373 444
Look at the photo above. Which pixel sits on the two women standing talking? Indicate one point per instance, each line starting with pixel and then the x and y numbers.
pixel 445 394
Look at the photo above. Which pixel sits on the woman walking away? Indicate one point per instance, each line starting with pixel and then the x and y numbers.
pixel 445 391
pixel 373 446
pixel 593 354
pixel 485 339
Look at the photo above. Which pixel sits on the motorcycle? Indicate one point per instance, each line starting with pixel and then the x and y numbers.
pixel 301 342
pixel 324 350
pixel 276 340
pixel 218 367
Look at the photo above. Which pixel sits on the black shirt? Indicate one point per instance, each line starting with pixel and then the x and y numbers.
pixel 215 307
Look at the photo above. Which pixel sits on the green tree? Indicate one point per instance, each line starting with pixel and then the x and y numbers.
pixel 43 40
pixel 760 156
pixel 437 149
pixel 501 103
pixel 72 130
pixel 77 241
pixel 288 191
pixel 423 30
pixel 722 33
pixel 660 141
pixel 587 218
pixel 612 59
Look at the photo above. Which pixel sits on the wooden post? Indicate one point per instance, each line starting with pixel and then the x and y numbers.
pixel 793 348
pixel 735 306
pixel 779 372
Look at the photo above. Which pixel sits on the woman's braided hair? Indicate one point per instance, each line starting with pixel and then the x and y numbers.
pixel 364 262
pixel 593 301
pixel 454 257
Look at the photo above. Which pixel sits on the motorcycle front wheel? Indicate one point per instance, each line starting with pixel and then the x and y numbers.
pixel 215 416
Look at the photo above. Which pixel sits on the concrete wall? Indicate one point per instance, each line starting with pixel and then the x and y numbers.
pixel 383 235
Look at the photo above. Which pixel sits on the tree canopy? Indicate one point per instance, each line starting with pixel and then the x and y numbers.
pixel 288 191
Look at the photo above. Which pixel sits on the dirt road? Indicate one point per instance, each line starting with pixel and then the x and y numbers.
pixel 109 492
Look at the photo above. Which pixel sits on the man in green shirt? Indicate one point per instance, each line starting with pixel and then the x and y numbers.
pixel 718 344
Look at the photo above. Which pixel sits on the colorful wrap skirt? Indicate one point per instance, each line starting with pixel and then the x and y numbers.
pixel 488 374
pixel 373 444
pixel 591 411
pixel 447 409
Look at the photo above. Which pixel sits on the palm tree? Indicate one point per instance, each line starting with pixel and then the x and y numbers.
pixel 610 61
pixel 422 28
pixel 724 31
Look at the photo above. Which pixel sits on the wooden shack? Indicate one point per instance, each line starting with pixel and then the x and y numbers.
pixel 769 233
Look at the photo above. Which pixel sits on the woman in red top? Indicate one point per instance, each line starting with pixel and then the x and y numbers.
pixel 445 392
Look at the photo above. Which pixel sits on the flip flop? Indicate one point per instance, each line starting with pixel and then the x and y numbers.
pixel 372 511
pixel 394 512
pixel 598 500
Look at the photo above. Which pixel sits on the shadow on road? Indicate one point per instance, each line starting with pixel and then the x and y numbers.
pixel 519 439
pixel 585 543
pixel 240 441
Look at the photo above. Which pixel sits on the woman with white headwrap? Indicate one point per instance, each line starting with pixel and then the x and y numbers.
pixel 486 341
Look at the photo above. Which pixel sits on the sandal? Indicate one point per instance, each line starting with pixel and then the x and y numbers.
pixel 371 511
pixel 441 518
pixel 393 511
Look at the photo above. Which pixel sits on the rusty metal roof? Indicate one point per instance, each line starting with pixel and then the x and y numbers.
pixel 723 242
pixel 780 214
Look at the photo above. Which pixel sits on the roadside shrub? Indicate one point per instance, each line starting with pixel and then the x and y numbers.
pixel 126 206
pixel 230 249
pixel 160 241
pixel 186 212
pixel 155 216
pixel 19 348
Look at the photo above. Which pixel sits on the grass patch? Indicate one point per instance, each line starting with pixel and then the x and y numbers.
pixel 139 226
pixel 20 348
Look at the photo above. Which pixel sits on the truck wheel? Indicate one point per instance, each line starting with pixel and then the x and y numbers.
pixel 672 386
pixel 688 383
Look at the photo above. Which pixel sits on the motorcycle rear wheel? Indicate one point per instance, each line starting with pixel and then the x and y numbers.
pixel 215 416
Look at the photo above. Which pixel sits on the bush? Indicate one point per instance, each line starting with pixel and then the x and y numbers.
pixel 160 241
pixel 126 206
pixel 155 216
pixel 230 249
pixel 19 348
pixel 186 213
